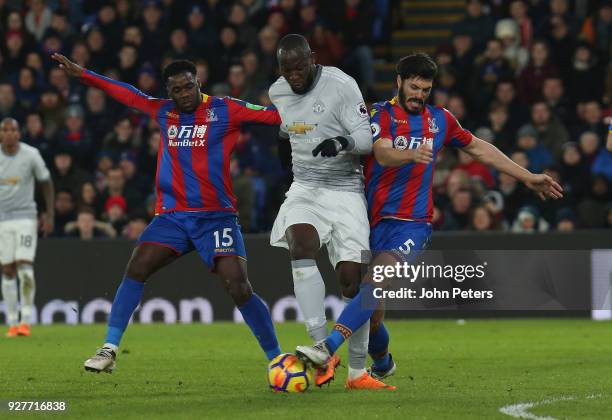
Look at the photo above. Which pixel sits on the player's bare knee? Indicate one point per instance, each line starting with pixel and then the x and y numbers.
pixel 9 270
pixel 138 269
pixel 302 250
pixel 349 286
pixel 239 289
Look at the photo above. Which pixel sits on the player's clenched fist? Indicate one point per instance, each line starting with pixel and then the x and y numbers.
pixel 423 154
pixel 330 147
pixel 72 69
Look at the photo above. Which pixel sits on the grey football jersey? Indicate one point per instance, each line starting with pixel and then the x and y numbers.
pixel 332 107
pixel 17 175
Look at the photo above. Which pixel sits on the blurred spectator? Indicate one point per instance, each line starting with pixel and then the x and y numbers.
pixel 591 119
pixel 539 68
pixel 527 141
pixel 134 228
pixel 502 131
pixel 491 67
pixel 356 30
pixel 603 164
pixel 551 132
pixel 86 227
pixel 565 220
pixel 121 139
pixel 519 11
pixel 553 93
pixel 38 19
pixel 476 170
pixel 585 75
pixel 128 64
pixel 228 53
pixel 115 187
pixel 154 35
pixel 66 175
pixel 597 29
pixel 247 33
pixel 100 56
pixel 64 211
pixel 34 135
pixel 475 24
pixel 592 211
pixel 507 31
pixel 463 60
pixel 562 42
pixel 505 95
pixel 514 195
pixel 148 153
pixel 26 93
pixel 573 170
pixel 134 180
pixel 326 45
pixel 52 111
pixel 88 196
pixel 558 9
pixel 481 219
pixel 589 146
pixel 75 137
pixel 266 51
pixel 458 215
pixel 202 33
pixel 115 209
pixel 98 116
pixel 529 221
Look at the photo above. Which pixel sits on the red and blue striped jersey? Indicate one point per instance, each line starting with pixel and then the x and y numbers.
pixel 405 192
pixel 193 161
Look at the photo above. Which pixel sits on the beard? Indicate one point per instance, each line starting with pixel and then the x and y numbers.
pixel 402 99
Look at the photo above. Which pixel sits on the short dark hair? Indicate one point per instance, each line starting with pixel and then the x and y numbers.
pixel 178 67
pixel 417 65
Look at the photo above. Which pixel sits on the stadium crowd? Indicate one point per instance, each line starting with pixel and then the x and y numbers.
pixel 526 75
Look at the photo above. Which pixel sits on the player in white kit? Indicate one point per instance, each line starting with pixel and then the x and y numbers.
pixel 327 123
pixel 20 166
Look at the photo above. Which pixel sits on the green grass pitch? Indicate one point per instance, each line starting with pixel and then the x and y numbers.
pixel 445 370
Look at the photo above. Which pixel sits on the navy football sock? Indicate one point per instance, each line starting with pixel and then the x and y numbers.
pixel 354 315
pixel 126 300
pixel 257 317
pixel 379 342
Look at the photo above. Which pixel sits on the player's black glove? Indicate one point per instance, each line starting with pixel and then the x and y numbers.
pixel 330 147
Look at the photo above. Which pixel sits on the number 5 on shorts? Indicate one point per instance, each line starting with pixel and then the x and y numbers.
pixel 226 239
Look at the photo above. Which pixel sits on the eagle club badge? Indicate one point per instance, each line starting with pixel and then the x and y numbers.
pixel 433 128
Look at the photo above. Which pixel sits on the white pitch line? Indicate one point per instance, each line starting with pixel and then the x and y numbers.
pixel 520 410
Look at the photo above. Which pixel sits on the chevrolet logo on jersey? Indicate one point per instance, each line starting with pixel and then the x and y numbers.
pixel 300 127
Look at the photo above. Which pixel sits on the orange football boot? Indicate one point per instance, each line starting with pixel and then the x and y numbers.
pixel 13 331
pixel 326 375
pixel 24 330
pixel 365 381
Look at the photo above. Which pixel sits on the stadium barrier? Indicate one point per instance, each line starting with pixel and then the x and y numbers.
pixel 76 280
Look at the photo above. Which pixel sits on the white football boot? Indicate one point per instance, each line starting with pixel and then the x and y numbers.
pixel 102 361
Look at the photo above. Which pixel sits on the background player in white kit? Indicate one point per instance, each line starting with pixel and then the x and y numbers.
pixel 20 166
pixel 323 112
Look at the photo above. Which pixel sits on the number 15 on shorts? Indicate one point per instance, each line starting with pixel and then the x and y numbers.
pixel 224 238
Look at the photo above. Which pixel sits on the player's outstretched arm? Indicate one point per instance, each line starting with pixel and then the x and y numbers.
pixel 490 155
pixel 121 92
pixel 387 156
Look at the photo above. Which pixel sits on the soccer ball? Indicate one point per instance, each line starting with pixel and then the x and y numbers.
pixel 287 373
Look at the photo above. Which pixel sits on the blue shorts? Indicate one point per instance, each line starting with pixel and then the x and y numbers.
pixel 402 237
pixel 212 234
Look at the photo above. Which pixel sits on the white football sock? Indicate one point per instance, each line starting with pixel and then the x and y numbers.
pixel 310 293
pixel 27 287
pixel 9 295
pixel 358 348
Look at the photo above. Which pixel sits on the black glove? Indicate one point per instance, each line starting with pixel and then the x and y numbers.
pixel 330 147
